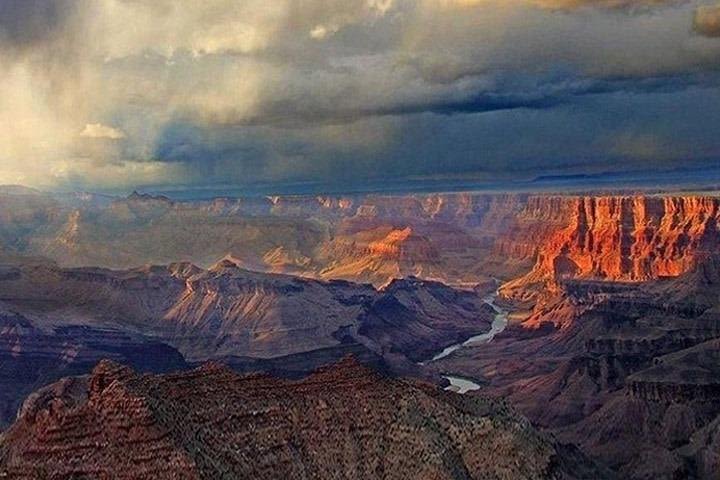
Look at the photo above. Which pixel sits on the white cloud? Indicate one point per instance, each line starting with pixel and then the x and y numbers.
pixel 321 31
pixel 98 130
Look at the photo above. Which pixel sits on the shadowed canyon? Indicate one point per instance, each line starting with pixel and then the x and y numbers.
pixel 335 318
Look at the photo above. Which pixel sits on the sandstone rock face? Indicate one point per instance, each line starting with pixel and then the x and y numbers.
pixel 628 239
pixel 228 310
pixel 344 421
pixel 379 255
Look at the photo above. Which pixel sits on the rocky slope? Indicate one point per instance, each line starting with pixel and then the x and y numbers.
pixel 341 422
pixel 627 371
pixel 62 320
pixel 229 310
pixel 617 354
pixel 33 354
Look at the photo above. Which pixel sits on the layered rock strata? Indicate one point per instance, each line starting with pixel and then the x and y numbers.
pixel 341 422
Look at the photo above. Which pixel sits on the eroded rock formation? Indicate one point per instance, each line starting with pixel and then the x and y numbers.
pixel 343 421
pixel 627 371
pixel 60 321
pixel 626 239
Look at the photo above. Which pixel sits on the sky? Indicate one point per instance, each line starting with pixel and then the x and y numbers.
pixel 123 94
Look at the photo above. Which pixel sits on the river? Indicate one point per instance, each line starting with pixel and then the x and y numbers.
pixel 461 384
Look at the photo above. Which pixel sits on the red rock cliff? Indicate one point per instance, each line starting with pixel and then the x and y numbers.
pixel 628 238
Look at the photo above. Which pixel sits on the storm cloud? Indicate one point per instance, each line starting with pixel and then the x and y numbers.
pixel 105 94
pixel 25 23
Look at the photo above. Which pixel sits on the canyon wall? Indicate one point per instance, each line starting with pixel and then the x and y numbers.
pixel 456 238
pixel 622 239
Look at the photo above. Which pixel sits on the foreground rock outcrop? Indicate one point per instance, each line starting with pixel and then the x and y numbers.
pixel 344 421
pixel 33 354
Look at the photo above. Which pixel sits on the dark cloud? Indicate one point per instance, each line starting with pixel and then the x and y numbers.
pixel 604 132
pixel 627 5
pixel 287 114
pixel 115 92
pixel 184 142
pixel 26 23
pixel 509 91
